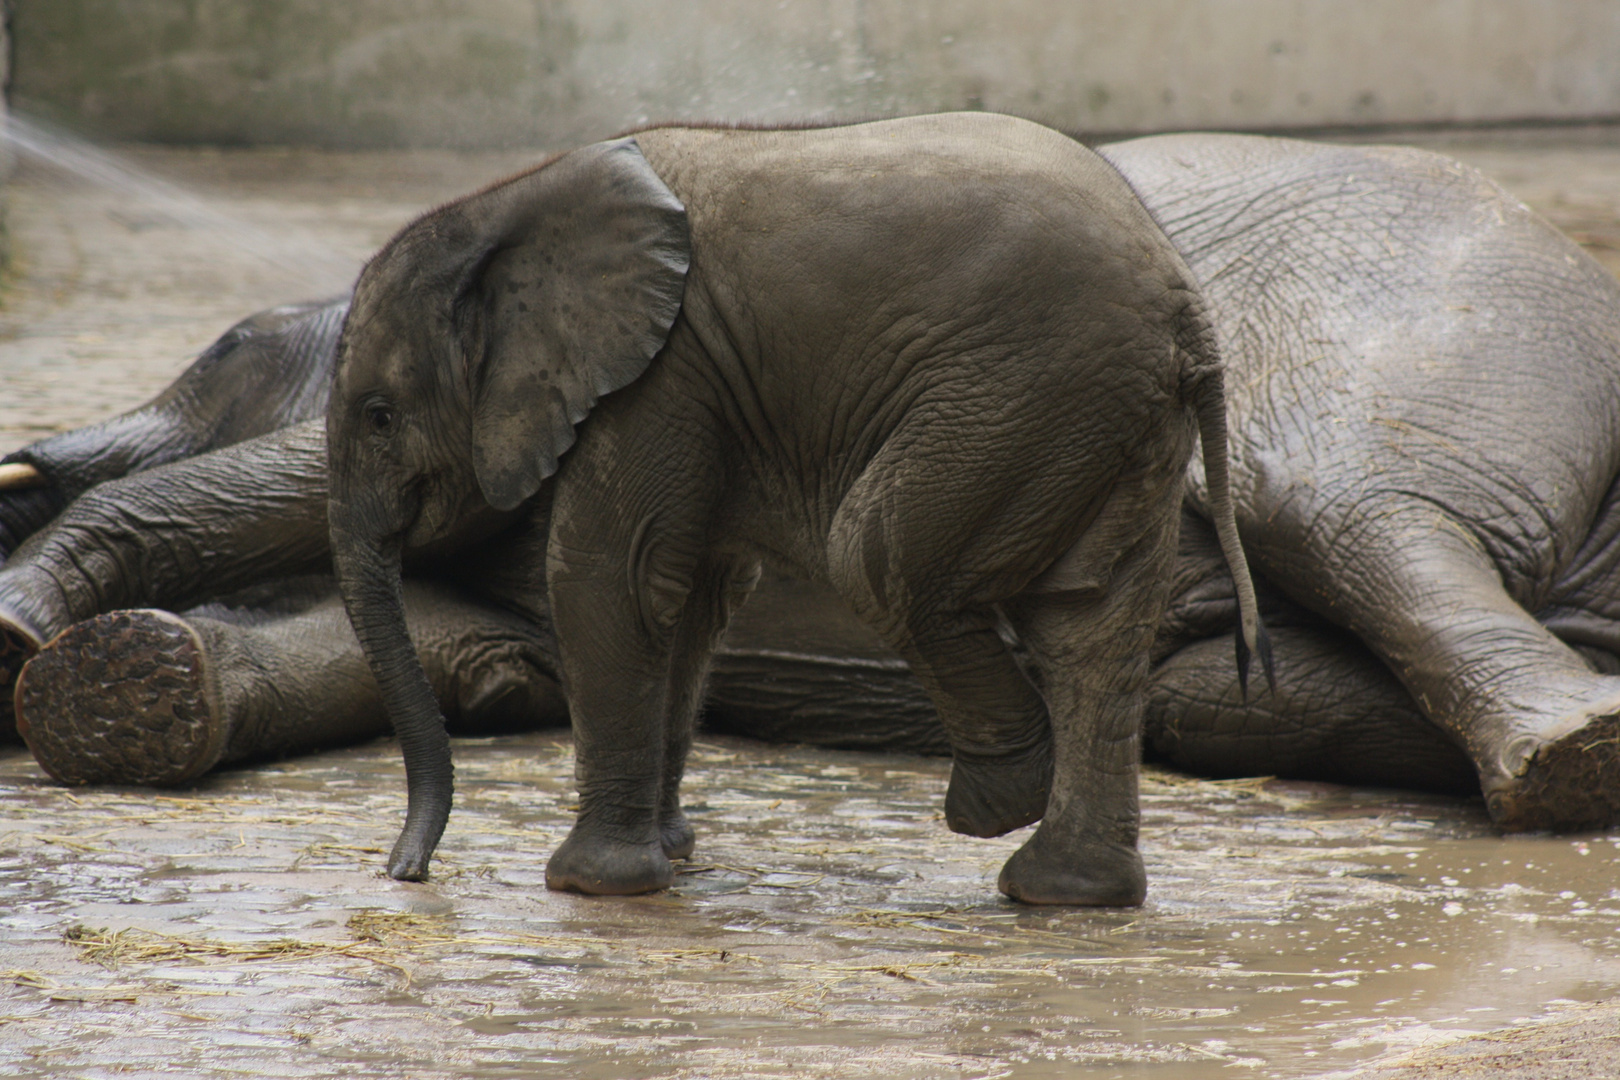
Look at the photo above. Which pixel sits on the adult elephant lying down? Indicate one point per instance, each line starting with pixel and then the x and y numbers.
pixel 1425 388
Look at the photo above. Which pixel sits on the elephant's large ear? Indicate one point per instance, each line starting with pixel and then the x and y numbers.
pixel 575 291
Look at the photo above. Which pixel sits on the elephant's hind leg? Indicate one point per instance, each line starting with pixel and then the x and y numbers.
pixel 925 571
pixel 168 537
pixel 1092 649
pixel 1337 714
pixel 1001 750
pixel 993 716
pixel 1540 726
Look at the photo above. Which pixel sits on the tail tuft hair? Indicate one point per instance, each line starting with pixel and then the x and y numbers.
pixel 1268 664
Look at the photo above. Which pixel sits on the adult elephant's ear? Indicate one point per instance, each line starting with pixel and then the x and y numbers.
pixel 580 278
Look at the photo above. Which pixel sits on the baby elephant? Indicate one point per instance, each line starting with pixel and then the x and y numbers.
pixel 947 365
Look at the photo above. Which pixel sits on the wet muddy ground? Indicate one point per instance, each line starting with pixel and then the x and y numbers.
pixel 828 925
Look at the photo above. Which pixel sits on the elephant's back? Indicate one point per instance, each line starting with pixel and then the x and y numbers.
pixel 1300 243
pixel 1396 323
pixel 958 264
pixel 929 193
pixel 942 159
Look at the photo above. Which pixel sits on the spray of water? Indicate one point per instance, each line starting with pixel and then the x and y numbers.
pixel 301 260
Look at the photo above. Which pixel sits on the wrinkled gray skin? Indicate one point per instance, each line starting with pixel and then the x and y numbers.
pixel 792 665
pixel 269 370
pixel 1428 449
pixel 946 365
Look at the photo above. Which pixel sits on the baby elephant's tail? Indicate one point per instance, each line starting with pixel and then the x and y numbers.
pixel 1205 384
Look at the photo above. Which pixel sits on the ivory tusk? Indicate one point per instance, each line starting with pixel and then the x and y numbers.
pixel 19 475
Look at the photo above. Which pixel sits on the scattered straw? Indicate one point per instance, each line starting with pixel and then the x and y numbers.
pixel 757 874
pixel 55 991
pixel 914 920
pixel 395 928
pixel 113 948
pixel 912 971
pixel 68 842
pixel 326 852
pixel 1242 785
pixel 681 956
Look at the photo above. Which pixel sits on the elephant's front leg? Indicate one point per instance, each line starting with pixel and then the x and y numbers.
pixel 720 588
pixel 175 535
pixel 634 694
pixel 636 611
pixel 169 537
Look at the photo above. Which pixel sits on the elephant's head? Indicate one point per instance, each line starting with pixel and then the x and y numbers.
pixel 476 341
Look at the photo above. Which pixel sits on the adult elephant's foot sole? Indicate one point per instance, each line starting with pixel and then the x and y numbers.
pixel 1569 782
pixel 123 698
pixel 993 796
pixel 601 867
pixel 1094 876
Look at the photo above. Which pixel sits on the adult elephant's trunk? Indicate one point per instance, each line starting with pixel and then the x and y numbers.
pixel 367 560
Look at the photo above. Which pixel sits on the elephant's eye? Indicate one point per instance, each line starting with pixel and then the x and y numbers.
pixel 380 417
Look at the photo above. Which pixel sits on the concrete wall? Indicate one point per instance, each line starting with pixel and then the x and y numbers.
pixel 491 73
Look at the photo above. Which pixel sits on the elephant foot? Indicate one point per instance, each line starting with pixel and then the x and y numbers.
pixel 123 698
pixel 989 796
pixel 1094 875
pixel 1563 783
pixel 676 836
pixel 597 866
pixel 19 641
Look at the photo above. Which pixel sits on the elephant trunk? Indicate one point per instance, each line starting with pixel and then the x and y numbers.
pixel 368 570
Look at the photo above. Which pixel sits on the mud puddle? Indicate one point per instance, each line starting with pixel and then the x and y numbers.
pixel 828 925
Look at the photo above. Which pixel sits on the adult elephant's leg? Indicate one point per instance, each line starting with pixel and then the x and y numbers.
pixel 169 537
pixel 796 665
pixel 267 372
pixel 1336 714
pixel 1541 727
pixel 149 697
pixel 176 535
pixel 1582 608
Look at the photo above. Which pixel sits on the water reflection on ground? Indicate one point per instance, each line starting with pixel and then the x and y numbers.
pixel 828 925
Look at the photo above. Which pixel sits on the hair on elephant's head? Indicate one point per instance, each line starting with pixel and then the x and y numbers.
pixel 477 340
